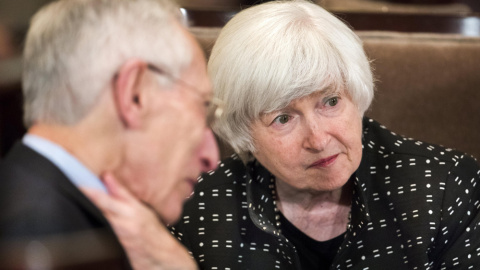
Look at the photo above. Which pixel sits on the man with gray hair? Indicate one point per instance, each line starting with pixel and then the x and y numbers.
pixel 114 90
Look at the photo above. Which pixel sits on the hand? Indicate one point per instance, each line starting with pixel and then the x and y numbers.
pixel 148 243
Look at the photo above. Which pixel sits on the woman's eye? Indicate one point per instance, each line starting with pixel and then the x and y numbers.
pixel 282 119
pixel 332 101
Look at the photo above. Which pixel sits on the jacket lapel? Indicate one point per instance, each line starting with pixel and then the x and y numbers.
pixel 42 169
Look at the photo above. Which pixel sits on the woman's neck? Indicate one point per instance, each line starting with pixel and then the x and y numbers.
pixel 320 215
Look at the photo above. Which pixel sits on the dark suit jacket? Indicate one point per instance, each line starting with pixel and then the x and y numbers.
pixel 46 221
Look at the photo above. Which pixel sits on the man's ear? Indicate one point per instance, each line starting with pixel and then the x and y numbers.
pixel 127 92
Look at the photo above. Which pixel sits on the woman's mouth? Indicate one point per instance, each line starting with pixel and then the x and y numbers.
pixel 324 162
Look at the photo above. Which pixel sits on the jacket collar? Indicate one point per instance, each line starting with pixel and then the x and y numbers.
pixel 44 170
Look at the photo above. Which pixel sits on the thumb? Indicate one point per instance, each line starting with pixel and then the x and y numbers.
pixel 115 188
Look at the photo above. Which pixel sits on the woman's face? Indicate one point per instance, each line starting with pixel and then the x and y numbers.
pixel 314 144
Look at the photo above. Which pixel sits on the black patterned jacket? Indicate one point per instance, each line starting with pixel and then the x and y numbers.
pixel 415 206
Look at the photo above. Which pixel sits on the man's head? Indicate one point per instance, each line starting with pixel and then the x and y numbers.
pixel 128 81
pixel 74 48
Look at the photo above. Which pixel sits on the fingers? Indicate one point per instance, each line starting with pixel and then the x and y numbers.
pixel 117 190
pixel 148 242
pixel 95 195
pixel 119 203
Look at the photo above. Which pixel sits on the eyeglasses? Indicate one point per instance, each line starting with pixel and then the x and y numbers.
pixel 214 106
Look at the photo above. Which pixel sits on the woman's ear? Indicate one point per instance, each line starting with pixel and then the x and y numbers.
pixel 127 92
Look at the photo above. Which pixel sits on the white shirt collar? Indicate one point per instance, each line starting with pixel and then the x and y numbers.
pixel 75 171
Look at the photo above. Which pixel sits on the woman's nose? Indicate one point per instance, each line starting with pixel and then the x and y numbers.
pixel 315 136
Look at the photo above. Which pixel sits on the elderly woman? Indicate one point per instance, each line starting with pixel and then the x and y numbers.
pixel 317 185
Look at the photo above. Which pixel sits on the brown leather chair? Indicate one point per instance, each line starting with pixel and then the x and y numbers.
pixel 428 86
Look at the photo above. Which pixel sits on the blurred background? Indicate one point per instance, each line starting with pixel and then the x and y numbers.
pixel 449 17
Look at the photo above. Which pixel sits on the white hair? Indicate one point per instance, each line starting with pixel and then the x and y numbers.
pixel 270 54
pixel 75 47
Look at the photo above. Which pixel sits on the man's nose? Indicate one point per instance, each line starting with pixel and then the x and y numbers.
pixel 208 152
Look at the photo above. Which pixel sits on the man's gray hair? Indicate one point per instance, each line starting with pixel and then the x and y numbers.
pixel 75 47
pixel 270 54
